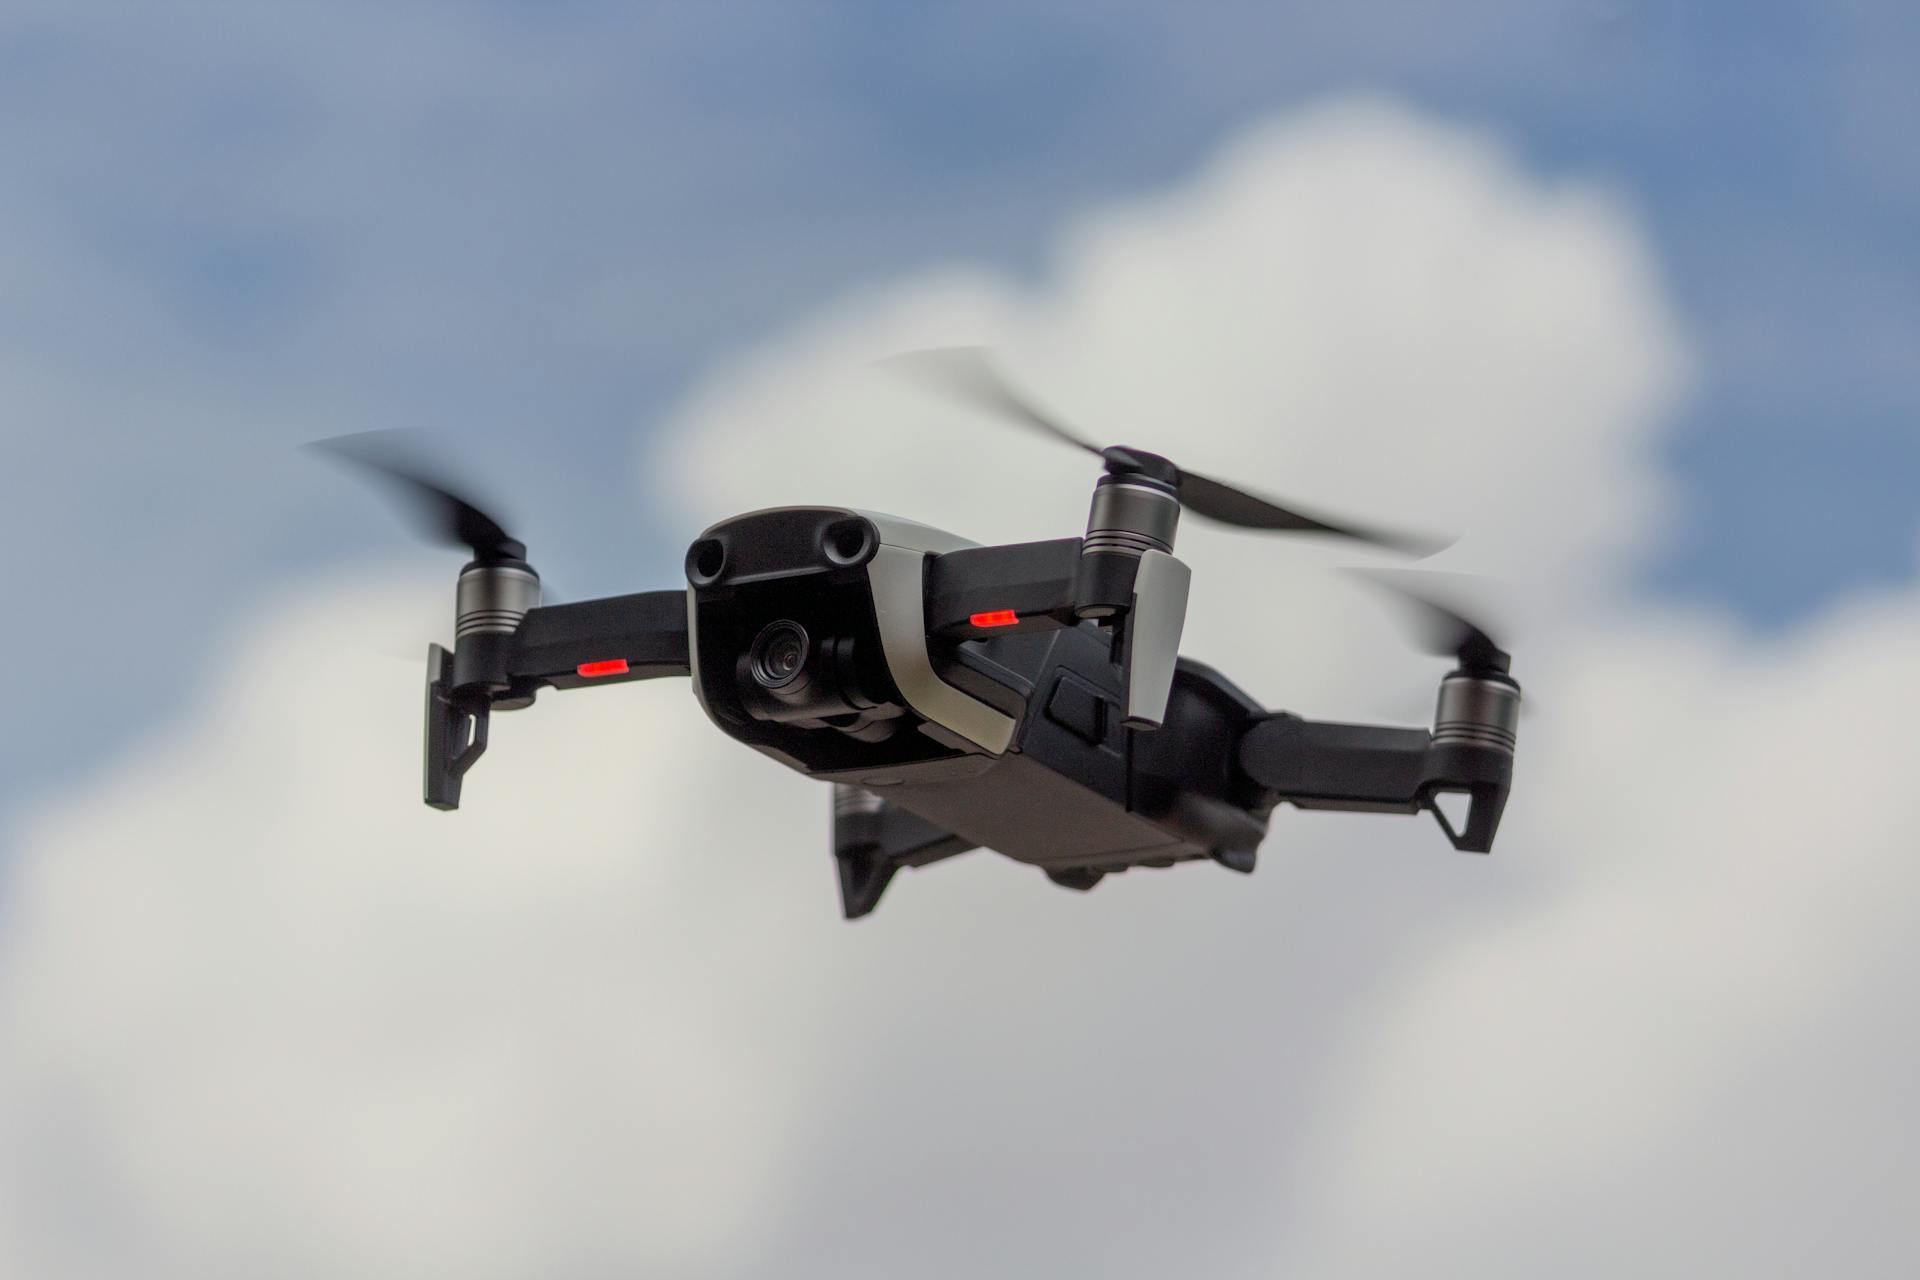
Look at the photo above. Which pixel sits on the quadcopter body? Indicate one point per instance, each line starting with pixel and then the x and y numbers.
pixel 1026 698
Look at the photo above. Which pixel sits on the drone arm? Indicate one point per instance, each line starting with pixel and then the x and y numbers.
pixel 636 637
pixel 1375 769
pixel 982 592
pixel 567 646
pixel 1316 765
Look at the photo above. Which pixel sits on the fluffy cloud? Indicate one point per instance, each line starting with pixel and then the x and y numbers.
pixel 1688 1051
pixel 266 1015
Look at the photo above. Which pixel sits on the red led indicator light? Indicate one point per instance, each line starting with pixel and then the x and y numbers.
pixel 995 618
pixel 611 667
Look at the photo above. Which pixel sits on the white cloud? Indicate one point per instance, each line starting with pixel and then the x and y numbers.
pixel 1356 307
pixel 266 1015
pixel 269 1014
pixel 1689 1055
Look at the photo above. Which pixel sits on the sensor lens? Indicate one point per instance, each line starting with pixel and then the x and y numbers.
pixel 779 654
pixel 705 561
pixel 848 542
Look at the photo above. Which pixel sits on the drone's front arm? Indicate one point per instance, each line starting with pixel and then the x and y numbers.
pixel 1040 586
pixel 636 637
pixel 1368 768
pixel 565 646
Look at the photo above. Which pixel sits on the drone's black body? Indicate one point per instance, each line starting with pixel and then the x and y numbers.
pixel 958 699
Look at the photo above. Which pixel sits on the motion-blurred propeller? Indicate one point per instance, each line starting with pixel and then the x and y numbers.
pixel 1430 602
pixel 966 375
pixel 442 514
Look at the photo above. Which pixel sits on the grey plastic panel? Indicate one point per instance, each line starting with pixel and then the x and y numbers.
pixel 896 531
pixel 1153 649
pixel 897 576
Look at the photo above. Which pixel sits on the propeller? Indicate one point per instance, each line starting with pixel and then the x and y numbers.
pixel 1440 628
pixel 967 375
pixel 443 516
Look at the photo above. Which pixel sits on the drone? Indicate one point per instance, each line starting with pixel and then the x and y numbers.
pixel 1028 699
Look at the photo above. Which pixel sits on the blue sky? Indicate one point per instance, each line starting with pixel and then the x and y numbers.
pixel 228 228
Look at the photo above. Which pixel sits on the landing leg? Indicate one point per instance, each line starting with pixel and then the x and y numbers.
pixel 872 839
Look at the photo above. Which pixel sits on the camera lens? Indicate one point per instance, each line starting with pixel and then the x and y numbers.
pixel 779 654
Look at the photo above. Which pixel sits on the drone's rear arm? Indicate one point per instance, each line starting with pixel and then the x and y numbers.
pixel 1368 768
pixel 565 646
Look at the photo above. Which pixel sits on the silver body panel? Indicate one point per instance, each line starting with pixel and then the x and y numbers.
pixel 897 576
pixel 1159 616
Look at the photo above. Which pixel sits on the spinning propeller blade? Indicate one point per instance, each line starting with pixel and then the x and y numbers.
pixel 443 515
pixel 967 376
pixel 1440 628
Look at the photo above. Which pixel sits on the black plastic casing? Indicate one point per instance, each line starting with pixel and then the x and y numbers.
pixel 1081 791
pixel 1075 791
